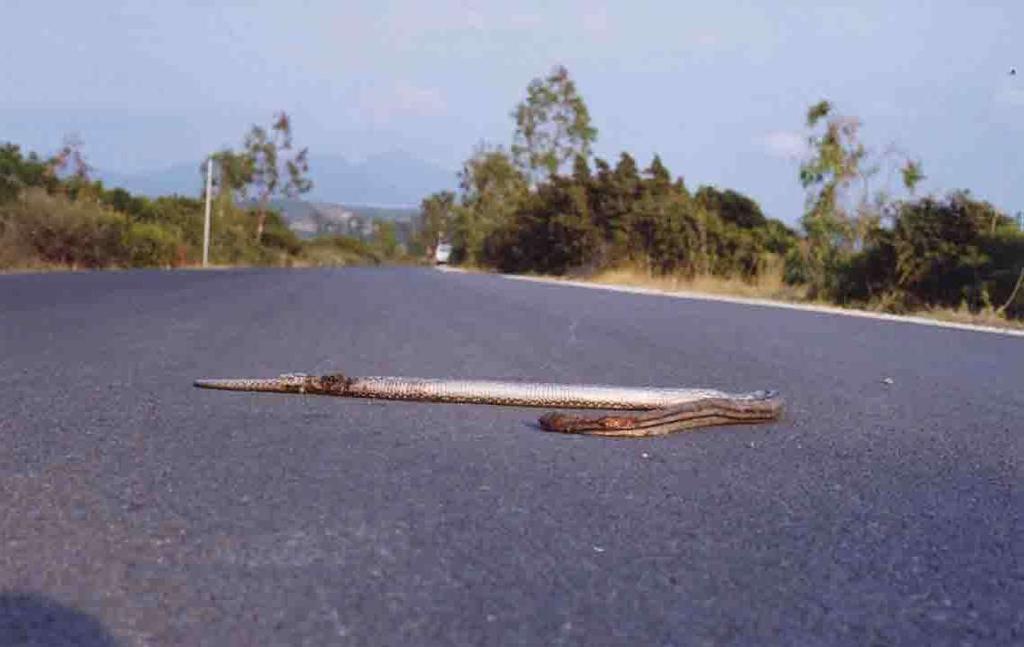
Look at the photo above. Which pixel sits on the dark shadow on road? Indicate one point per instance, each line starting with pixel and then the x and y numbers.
pixel 33 620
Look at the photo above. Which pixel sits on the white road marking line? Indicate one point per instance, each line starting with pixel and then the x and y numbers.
pixel 766 303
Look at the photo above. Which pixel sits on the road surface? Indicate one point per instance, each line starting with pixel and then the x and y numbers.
pixel 137 510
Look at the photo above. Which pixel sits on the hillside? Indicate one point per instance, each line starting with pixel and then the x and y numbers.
pixel 394 179
pixel 310 219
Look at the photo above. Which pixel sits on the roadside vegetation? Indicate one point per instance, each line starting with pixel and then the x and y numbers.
pixel 546 205
pixel 54 216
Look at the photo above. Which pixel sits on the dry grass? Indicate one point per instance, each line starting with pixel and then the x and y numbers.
pixel 987 317
pixel 768 285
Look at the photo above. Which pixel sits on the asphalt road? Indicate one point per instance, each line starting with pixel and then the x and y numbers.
pixel 137 510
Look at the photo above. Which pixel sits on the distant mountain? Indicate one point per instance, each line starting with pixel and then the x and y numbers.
pixel 390 179
pixel 309 219
pixel 182 179
pixel 393 179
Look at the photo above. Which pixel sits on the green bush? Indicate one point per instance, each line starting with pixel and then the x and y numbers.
pixel 59 231
pixel 331 251
pixel 148 244
pixel 277 235
pixel 957 253
pixel 19 172
pixel 39 229
pixel 72 222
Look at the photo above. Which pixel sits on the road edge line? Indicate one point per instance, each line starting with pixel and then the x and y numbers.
pixel 764 303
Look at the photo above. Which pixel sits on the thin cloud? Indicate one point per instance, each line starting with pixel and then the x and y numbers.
pixel 1010 95
pixel 595 21
pixel 402 99
pixel 419 100
pixel 411 21
pixel 845 20
pixel 707 39
pixel 785 144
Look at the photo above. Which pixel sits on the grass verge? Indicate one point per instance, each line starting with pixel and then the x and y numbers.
pixel 770 287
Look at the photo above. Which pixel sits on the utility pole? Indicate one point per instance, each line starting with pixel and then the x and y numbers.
pixel 206 223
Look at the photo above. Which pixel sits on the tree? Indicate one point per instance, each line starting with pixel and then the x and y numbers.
pixel 552 126
pixel 953 252
pixel 911 174
pixel 940 250
pixel 385 239
pixel 835 163
pixel 732 207
pixel 659 180
pixel 581 172
pixel 614 194
pixel 276 169
pixel 492 190
pixel 268 166
pixel 839 222
pixel 70 166
pixel 18 172
pixel 232 173
pixel 70 161
pixel 662 224
pixel 436 213
pixel 564 235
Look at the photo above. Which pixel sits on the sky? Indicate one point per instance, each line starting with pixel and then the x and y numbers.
pixel 719 90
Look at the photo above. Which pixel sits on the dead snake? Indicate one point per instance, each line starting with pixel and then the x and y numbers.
pixel 653 411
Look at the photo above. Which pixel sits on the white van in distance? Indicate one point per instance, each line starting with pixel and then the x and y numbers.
pixel 442 254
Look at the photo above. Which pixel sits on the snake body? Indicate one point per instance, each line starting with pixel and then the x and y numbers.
pixel 664 409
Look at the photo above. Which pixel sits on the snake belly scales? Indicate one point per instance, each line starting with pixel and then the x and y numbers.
pixel 651 411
